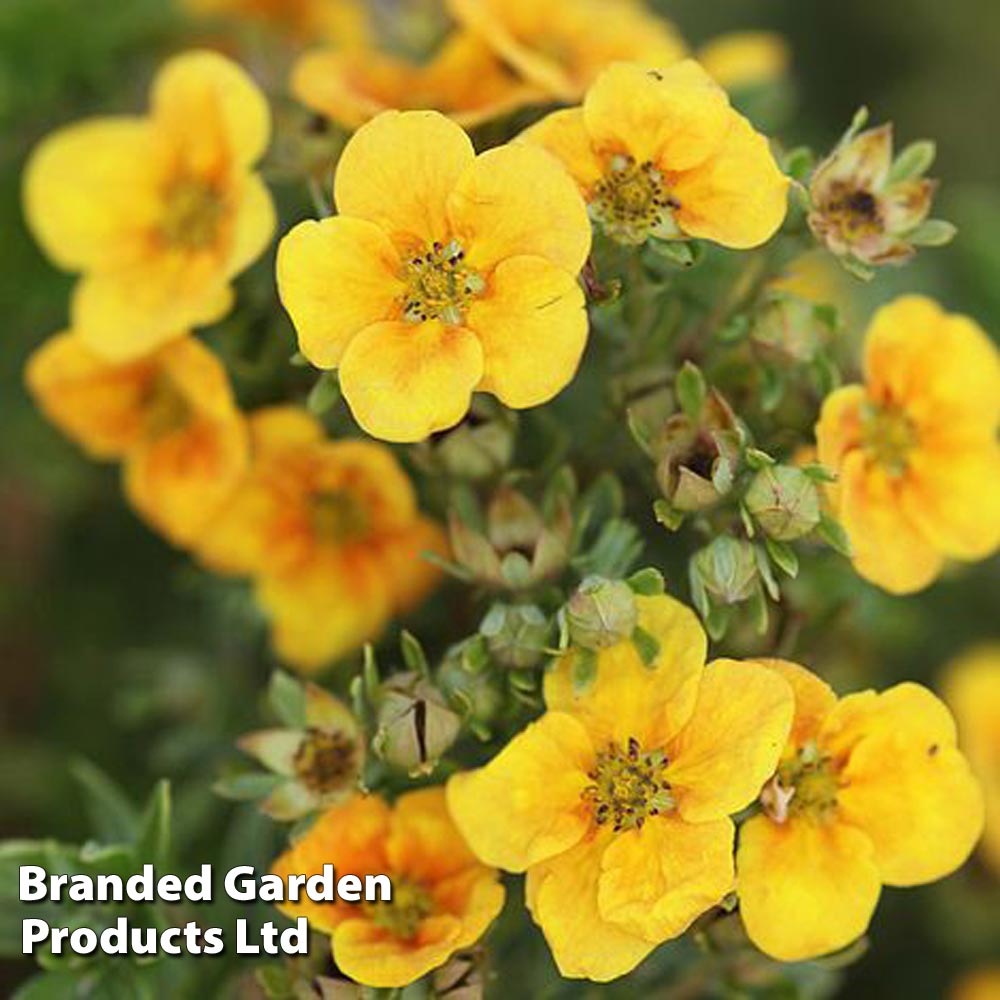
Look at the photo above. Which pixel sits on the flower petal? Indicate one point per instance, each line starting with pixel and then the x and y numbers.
pixel 526 805
pixel 814 699
pixel 325 711
pixel 806 889
pixel 738 197
pixel 276 749
pixel 517 200
pixel 336 277
pixel 564 134
pixel 655 882
pixel 562 895
pixel 253 226
pixel 532 324
pixel 404 557
pixel 404 381
pixel 675 118
pixel 629 699
pixel 398 171
pixel 92 191
pixel 733 742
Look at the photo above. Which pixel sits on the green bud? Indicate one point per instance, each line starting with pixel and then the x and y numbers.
pixel 726 569
pixel 786 329
pixel 601 613
pixel 473 691
pixel 784 501
pixel 481 446
pixel 517 635
pixel 414 725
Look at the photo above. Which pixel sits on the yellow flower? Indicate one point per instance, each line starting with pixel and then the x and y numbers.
pixel 444 273
pixel 561 46
pixel 169 417
pixel 742 59
pixel 617 801
pixel 301 19
pixel 463 79
pixel 871 790
pixel 443 899
pixel 915 448
pixel 331 534
pixel 661 153
pixel 972 689
pixel 158 213
pixel 979 984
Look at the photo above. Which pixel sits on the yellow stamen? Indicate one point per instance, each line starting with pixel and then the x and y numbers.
pixel 889 436
pixel 628 786
pixel 165 408
pixel 338 516
pixel 411 904
pixel 193 215
pixel 632 203
pixel 805 785
pixel 440 285
pixel 325 761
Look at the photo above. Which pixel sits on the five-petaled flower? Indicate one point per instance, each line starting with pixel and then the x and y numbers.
pixel 443 899
pixel 871 790
pixel 169 417
pixel 159 213
pixel 663 154
pixel 915 449
pixel 617 801
pixel 444 273
pixel 331 534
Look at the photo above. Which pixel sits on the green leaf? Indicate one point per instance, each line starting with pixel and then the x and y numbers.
pixel 772 388
pixel 324 395
pixel 722 475
pixel 113 818
pixel 766 572
pixel 640 433
pixel 759 611
pixel 783 556
pixel 647 582
pixel 678 252
pixel 717 622
pixel 515 569
pixel 50 986
pixel 819 473
pixel 287 698
pixel 247 787
pixel 691 390
pixel 299 360
pixel 646 645
pixel 833 533
pixel 584 671
pixel 667 516
pixel 735 331
pixel 799 163
pixel 413 654
pixel 933 233
pixel 914 161
pixel 860 271
pixel 152 842
pixel 757 459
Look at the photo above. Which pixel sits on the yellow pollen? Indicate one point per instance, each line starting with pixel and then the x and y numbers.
pixel 165 408
pixel 628 786
pixel 889 436
pixel 855 213
pixel 632 203
pixel 805 785
pixel 193 215
pixel 325 761
pixel 338 516
pixel 411 904
pixel 440 285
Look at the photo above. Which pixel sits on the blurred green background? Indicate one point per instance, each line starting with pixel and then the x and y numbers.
pixel 112 650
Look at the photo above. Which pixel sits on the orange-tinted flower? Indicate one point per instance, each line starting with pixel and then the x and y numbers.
pixel 159 213
pixel 170 418
pixel 561 46
pixel 331 534
pixel 978 984
pixel 972 689
pixel 300 19
pixel 662 154
pixel 741 59
pixel 871 790
pixel 915 448
pixel 463 79
pixel 444 273
pixel 443 899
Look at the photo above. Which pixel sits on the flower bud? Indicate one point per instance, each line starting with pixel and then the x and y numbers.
pixel 786 329
pixel 601 613
pixel 516 634
pixel 481 446
pixel 784 501
pixel 475 691
pixel 415 726
pixel 727 570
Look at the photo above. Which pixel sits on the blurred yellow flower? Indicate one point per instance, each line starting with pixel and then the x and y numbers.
pixel 331 534
pixel 871 790
pixel 741 59
pixel 443 899
pixel 158 213
pixel 463 79
pixel 301 19
pixel 444 273
pixel 661 153
pixel 617 801
pixel 979 984
pixel 915 448
pixel 562 45
pixel 972 689
pixel 169 417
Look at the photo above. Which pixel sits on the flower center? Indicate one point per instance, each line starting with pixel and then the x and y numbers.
pixel 805 785
pixel 165 408
pixel 855 213
pixel 889 436
pixel 631 202
pixel 440 285
pixel 193 215
pixel 325 760
pixel 403 914
pixel 338 516
pixel 628 786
